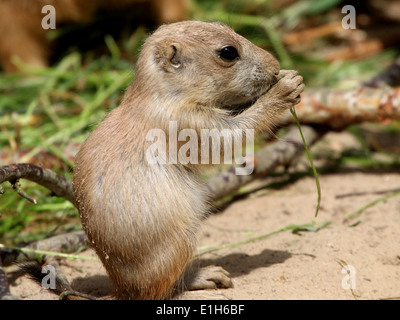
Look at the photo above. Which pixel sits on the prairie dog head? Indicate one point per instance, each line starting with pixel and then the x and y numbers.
pixel 205 64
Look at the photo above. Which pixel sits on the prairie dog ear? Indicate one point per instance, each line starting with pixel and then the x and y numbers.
pixel 169 56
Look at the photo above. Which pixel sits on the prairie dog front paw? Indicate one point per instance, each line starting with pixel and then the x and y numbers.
pixel 286 92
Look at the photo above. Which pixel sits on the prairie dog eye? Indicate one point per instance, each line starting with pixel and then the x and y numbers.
pixel 229 53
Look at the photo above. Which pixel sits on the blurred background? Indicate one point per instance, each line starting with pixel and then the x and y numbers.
pixel 56 85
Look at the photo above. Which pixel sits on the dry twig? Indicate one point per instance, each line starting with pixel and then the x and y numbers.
pixel 341 108
pixel 280 152
pixel 45 177
pixel 63 243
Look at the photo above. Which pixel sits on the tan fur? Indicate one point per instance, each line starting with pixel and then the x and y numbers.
pixel 22 35
pixel 142 219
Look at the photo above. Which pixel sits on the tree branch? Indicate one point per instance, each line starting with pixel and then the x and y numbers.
pixel 63 243
pixel 280 152
pixel 341 108
pixel 45 177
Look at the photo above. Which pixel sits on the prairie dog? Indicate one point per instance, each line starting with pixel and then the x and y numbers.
pixel 141 218
pixel 22 34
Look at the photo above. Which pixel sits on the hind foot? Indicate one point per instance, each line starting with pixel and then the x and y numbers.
pixel 211 277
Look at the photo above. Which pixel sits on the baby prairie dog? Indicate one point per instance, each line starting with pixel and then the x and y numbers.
pixel 142 218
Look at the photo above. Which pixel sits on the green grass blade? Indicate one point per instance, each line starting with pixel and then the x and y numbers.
pixel 293 111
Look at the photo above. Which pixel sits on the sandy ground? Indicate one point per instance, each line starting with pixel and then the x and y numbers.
pixel 306 265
